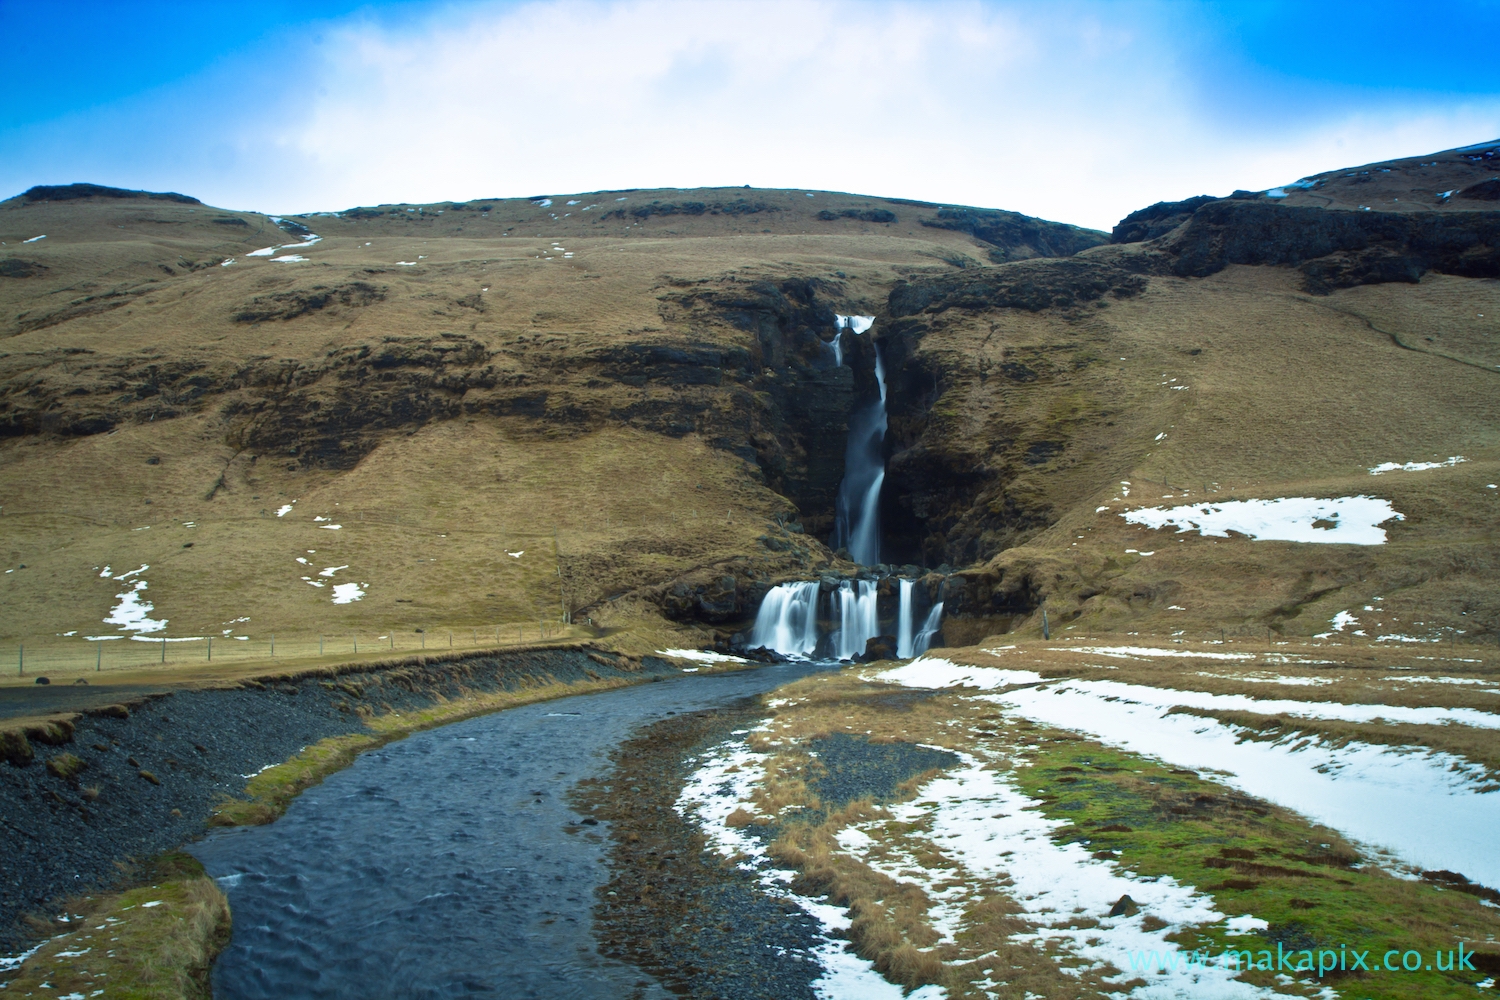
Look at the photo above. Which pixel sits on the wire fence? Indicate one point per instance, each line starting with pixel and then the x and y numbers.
pixel 85 657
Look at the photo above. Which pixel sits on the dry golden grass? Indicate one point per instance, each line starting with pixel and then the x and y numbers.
pixel 1289 394
pixel 426 516
pixel 153 942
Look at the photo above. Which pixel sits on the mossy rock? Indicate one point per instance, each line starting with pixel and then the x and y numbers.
pixel 56 733
pixel 65 766
pixel 15 748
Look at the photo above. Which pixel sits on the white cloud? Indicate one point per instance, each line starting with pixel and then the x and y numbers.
pixel 1077 113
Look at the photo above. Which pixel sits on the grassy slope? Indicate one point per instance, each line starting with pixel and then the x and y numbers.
pixel 1290 394
pixel 425 515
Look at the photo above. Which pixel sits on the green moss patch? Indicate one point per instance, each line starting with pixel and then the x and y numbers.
pixel 1318 893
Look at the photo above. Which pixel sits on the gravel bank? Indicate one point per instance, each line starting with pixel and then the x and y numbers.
pixel 699 923
pixel 702 927
pixel 71 833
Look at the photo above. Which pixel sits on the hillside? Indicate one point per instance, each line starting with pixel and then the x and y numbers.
pixel 637 391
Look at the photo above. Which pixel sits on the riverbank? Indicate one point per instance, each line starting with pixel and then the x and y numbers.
pixel 123 782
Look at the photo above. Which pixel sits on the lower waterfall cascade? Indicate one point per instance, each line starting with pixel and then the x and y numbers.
pixel 789 618
pixel 859 619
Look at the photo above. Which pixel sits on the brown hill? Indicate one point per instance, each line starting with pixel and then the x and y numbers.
pixel 635 389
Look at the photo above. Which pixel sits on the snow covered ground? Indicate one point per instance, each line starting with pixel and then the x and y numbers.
pixel 1342 520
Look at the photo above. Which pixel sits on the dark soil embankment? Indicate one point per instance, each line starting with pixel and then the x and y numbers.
pixel 124 783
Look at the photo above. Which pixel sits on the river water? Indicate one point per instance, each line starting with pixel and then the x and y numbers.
pixel 448 863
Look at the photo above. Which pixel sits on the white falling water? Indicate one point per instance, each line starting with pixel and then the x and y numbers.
pixel 857 324
pixel 857 516
pixel 904 621
pixel 859 619
pixel 929 629
pixel 788 619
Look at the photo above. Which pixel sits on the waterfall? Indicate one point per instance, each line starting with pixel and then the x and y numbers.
pixel 903 621
pixel 856 524
pixel 929 629
pixel 859 619
pixel 857 324
pixel 788 619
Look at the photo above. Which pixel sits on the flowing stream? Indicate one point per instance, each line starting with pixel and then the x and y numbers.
pixel 448 863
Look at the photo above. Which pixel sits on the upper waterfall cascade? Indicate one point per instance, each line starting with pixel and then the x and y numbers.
pixel 855 324
pixel 857 514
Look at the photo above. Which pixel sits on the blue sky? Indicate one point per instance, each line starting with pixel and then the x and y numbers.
pixel 1073 111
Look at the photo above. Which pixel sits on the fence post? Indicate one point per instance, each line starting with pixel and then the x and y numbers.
pixel 320 645
pixel 450 640
pixel 355 637
pixel 393 638
pixel 98 657
pixel 273 645
pixel 164 650
pixel 210 649
pixel 1046 632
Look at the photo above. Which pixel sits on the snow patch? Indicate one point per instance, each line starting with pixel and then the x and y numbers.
pixel 133 614
pixel 1346 520
pixel 348 593
pixel 1385 467
pixel 932 672
pixel 978 820
pixel 1431 813
pixel 1147 652
pixel 701 655
pixel 724 782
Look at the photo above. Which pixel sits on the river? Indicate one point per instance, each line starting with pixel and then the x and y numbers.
pixel 448 863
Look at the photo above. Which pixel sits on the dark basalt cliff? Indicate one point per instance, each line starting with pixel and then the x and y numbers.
pixel 1335 249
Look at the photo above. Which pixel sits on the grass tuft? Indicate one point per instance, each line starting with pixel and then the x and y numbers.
pixel 156 941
